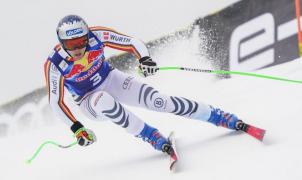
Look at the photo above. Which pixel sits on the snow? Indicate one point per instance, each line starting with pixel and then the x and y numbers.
pixel 206 151
pixel 28 30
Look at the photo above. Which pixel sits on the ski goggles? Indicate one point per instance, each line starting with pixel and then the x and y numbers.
pixel 76 43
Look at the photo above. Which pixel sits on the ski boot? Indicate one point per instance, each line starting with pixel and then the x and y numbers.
pixel 224 119
pixel 153 137
pixel 231 121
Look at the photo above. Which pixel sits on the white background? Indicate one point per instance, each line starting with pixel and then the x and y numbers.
pixel 28 30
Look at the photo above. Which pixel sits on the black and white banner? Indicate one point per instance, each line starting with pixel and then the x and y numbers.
pixel 251 35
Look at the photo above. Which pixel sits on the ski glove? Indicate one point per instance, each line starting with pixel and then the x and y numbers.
pixel 84 136
pixel 147 66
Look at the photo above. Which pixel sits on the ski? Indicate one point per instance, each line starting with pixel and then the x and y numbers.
pixel 172 151
pixel 253 131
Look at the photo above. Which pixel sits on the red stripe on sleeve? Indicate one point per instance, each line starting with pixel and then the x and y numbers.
pixel 128 48
pixel 46 73
pixel 62 105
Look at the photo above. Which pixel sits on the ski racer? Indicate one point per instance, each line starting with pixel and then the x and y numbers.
pixel 77 64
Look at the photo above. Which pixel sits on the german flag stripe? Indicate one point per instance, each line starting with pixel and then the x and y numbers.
pixel 128 48
pixel 100 28
pixel 62 104
pixel 58 47
pixel 47 71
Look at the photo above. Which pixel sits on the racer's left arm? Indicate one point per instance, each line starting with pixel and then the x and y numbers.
pixel 116 40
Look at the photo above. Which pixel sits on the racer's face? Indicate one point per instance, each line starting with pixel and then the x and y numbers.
pixel 76 47
pixel 77 54
pixel 76 43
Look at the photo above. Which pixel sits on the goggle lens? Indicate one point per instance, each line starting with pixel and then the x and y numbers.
pixel 77 43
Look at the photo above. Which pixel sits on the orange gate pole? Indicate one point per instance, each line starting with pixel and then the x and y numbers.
pixel 299 26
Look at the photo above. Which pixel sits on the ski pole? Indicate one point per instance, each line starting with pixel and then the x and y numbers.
pixel 44 144
pixel 229 72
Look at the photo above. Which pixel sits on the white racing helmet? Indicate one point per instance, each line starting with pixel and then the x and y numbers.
pixel 72 32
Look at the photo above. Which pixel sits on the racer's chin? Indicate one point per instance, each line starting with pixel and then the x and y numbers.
pixel 77 54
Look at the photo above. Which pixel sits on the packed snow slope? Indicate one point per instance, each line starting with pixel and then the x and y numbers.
pixel 205 151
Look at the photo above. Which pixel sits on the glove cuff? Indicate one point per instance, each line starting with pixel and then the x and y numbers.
pixel 144 59
pixel 76 126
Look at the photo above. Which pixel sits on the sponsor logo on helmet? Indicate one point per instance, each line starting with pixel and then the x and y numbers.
pixel 73 32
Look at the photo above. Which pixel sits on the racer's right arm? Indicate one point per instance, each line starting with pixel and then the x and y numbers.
pixel 55 86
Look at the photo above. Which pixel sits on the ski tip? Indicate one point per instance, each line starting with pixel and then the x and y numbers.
pixel 173 155
pixel 256 132
pixel 260 136
pixel 172 166
pixel 171 135
pixel 173 160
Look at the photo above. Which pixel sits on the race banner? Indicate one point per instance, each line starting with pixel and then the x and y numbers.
pixel 251 35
